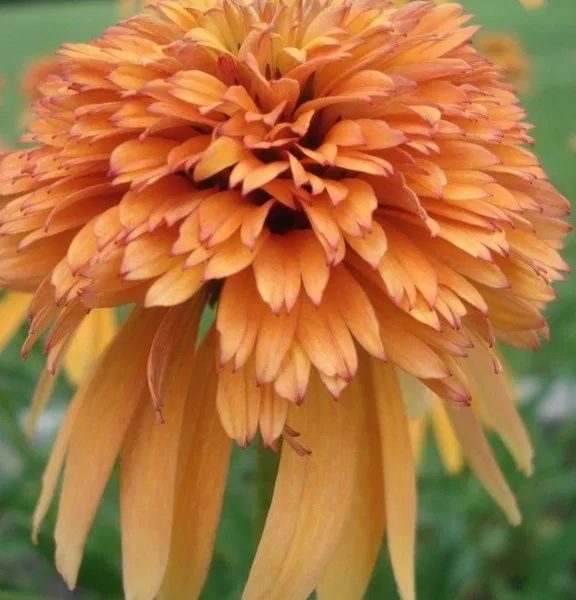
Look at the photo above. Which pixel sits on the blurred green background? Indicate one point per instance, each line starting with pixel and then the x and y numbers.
pixel 466 551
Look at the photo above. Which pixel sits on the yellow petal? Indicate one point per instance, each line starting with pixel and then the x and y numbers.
pixel 202 468
pixel 109 398
pixel 87 344
pixel 418 429
pixel 42 393
pixel 448 446
pixel 13 308
pixel 481 460
pixel 55 464
pixel 302 528
pixel 399 476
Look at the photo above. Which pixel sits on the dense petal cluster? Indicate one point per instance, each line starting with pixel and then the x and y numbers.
pixel 347 185
pixel 93 335
pixel 346 148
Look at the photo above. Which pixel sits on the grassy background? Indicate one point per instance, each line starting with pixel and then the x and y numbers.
pixel 466 551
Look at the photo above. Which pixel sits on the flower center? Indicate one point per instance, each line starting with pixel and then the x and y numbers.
pixel 282 220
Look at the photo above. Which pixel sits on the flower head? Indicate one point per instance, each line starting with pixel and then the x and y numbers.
pixel 347 185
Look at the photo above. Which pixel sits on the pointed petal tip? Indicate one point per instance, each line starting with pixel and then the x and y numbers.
pixel 67 564
pixel 514 516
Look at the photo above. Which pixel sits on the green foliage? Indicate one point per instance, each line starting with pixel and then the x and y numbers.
pixel 466 550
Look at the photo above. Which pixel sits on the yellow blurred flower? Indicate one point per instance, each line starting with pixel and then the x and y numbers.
pixel 533 3
pixel 347 186
pixel 506 50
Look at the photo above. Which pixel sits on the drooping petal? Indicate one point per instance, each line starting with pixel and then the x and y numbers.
pixel 301 530
pixel 495 405
pixel 203 457
pixel 399 476
pixel 149 454
pixel 349 571
pixel 147 488
pixel 482 461
pixel 55 464
pixel 109 398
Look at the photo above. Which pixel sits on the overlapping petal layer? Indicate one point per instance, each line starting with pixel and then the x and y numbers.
pixel 348 185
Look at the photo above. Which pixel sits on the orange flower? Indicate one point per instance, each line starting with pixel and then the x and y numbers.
pixel 346 184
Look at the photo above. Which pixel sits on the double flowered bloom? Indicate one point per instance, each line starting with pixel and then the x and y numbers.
pixel 346 185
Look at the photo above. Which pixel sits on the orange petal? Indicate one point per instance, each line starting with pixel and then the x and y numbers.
pixel 174 287
pixel 302 528
pixel 273 413
pixel 147 486
pixel 238 402
pixel 222 153
pixel 203 457
pixel 399 476
pixel 172 351
pixel 493 400
pixel 275 337
pixel 356 310
pixel 350 568
pixel 109 398
pixel 150 452
pixel 277 273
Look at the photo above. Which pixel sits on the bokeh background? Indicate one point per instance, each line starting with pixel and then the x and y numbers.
pixel 466 551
